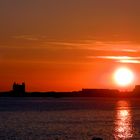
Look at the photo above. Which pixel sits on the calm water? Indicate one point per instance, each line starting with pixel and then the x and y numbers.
pixel 69 119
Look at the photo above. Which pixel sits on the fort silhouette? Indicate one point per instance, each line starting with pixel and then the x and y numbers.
pixel 19 90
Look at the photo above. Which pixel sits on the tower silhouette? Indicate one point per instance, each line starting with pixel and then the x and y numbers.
pixel 19 89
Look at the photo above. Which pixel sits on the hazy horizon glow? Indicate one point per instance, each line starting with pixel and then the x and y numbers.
pixel 68 45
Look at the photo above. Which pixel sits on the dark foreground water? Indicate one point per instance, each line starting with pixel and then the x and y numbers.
pixel 69 119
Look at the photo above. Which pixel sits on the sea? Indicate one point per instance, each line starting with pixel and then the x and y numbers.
pixel 36 118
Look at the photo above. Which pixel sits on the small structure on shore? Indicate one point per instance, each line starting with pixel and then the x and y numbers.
pixel 137 89
pixel 19 88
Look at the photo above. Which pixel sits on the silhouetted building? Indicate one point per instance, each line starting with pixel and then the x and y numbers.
pixel 137 89
pixel 100 92
pixel 19 88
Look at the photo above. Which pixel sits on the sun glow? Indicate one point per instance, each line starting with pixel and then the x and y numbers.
pixel 123 77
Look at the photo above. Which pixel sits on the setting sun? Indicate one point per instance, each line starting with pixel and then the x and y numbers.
pixel 123 76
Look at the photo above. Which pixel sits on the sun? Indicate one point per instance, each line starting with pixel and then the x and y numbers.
pixel 123 76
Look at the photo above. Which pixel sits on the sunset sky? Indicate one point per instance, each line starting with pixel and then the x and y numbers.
pixel 66 45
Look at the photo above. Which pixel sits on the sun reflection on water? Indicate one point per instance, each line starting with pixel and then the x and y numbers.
pixel 123 121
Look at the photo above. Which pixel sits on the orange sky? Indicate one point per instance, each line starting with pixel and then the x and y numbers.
pixel 68 45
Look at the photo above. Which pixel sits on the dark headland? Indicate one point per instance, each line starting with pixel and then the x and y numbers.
pixel 18 90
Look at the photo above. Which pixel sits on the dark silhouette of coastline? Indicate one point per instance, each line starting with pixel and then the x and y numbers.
pixel 19 91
